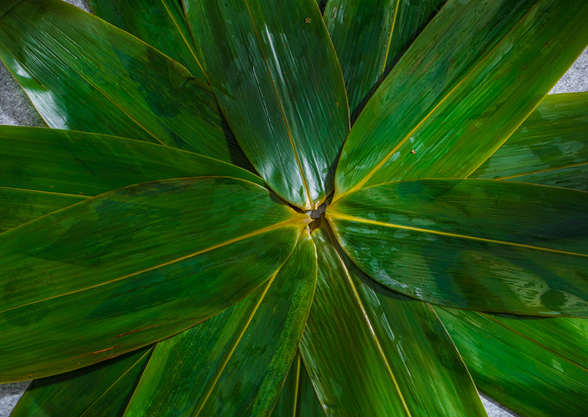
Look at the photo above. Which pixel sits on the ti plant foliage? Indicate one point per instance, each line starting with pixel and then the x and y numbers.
pixel 165 249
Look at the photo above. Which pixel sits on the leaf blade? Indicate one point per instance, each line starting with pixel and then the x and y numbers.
pixel 518 373
pixel 118 261
pixel 479 102
pixel 547 147
pixel 235 363
pixel 277 79
pixel 160 23
pixel 121 87
pixel 441 250
pixel 384 353
pixel 94 390
pixel 370 38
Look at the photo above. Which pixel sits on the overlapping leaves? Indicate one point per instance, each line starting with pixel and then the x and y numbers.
pixel 142 223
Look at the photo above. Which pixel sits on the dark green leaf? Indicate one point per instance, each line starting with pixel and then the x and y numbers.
pixel 464 86
pixel 519 373
pixel 235 363
pixel 22 206
pixel 475 244
pixel 370 37
pixel 373 352
pixel 550 147
pixel 278 81
pixel 118 85
pixel 127 268
pixel 103 389
pixel 43 170
pixel 298 398
pixel 160 23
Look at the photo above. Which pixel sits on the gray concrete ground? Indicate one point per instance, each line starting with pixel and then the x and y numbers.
pixel 16 109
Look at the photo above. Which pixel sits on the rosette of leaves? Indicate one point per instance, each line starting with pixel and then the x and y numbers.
pixel 165 248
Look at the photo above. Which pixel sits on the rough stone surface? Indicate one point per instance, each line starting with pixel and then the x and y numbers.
pixel 16 109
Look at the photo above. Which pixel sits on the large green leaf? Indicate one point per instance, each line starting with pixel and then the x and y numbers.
pixel 373 352
pixel 160 23
pixel 525 376
pixel 278 81
pixel 475 244
pixel 370 37
pixel 43 170
pixel 118 86
pixel 103 389
pixel 298 398
pixel 22 206
pixel 565 336
pixel 550 147
pixel 124 269
pixel 235 363
pixel 464 86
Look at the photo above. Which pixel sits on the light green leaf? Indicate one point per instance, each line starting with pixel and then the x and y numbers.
pixel 475 244
pixel 464 86
pixel 103 389
pixel 550 147
pixel 373 352
pixel 298 398
pixel 235 363
pixel 127 268
pixel 119 85
pixel 278 81
pixel 525 376
pixel 160 23
pixel 370 37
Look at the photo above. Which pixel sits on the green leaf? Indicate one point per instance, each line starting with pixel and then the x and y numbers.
pixel 370 37
pixel 564 336
pixel 235 363
pixel 160 23
pixel 43 170
pixel 88 164
pixel 119 85
pixel 373 352
pixel 22 206
pixel 475 244
pixel 550 147
pixel 103 389
pixel 298 398
pixel 464 86
pixel 278 81
pixel 127 268
pixel 525 376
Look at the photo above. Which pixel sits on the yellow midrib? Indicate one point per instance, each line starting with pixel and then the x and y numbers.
pixel 429 115
pixel 336 215
pixel 228 242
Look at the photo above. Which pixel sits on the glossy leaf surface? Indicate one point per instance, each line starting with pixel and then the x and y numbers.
pixel 464 86
pixel 298 398
pixel 387 355
pixel 43 170
pixel 235 363
pixel 119 86
pixel 278 81
pixel 160 23
pixel 524 376
pixel 370 37
pixel 87 164
pixel 103 389
pixel 548 148
pixel 564 336
pixel 122 270
pixel 432 240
